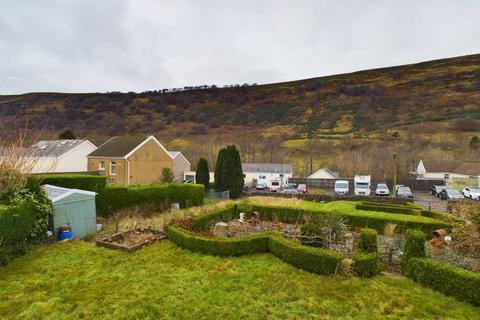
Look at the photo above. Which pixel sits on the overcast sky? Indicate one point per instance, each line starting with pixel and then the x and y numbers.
pixel 121 45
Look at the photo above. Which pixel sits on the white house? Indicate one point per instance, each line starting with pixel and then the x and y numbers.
pixel 59 155
pixel 324 173
pixel 266 173
pixel 253 172
pixel 446 169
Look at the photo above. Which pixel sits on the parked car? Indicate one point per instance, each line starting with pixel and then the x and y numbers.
pixel 472 193
pixel 245 189
pixel 289 191
pixel 275 186
pixel 382 190
pixel 404 192
pixel 341 187
pixel 302 188
pixel 261 186
pixel 398 186
pixel 438 189
pixel 447 194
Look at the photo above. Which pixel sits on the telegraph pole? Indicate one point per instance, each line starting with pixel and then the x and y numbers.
pixel 394 191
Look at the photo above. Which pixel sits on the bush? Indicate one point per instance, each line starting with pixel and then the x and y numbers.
pixel 118 197
pixel 414 246
pixel 375 221
pixel 445 278
pixel 16 225
pixel 368 241
pixel 312 230
pixel 316 260
pixel 385 208
pixel 218 247
pixel 203 222
pixel 74 181
pixel 365 264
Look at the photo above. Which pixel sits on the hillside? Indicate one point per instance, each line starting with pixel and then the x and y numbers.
pixel 437 101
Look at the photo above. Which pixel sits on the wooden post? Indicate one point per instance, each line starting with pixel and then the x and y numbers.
pixel 394 191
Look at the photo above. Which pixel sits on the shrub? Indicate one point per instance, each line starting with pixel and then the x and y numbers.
pixel 16 225
pixel 368 241
pixel 218 247
pixel 118 197
pixel 448 279
pixel 365 264
pixel 385 208
pixel 316 260
pixel 414 246
pixel 310 230
pixel 203 222
pixel 74 181
pixel 375 221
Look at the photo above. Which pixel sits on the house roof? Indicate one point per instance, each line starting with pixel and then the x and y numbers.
pixel 53 148
pixel 471 168
pixel 267 167
pixel 330 172
pixel 55 193
pixel 118 147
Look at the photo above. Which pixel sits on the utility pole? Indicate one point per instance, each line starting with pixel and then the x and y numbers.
pixel 394 191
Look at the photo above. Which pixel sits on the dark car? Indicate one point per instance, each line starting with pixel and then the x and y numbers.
pixel 447 194
pixel 436 190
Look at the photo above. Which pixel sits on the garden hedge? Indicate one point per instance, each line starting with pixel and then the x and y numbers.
pixel 372 220
pixel 448 279
pixel 118 197
pixel 216 246
pixel 74 181
pixel 365 264
pixel 310 259
pixel 368 241
pixel 414 246
pixel 385 208
pixel 203 222
pixel 16 223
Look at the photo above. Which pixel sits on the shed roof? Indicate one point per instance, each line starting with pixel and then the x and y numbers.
pixel 55 193
pixel 267 167
pixel 328 171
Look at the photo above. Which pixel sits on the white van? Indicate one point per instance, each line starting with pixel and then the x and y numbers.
pixel 341 187
pixel 362 185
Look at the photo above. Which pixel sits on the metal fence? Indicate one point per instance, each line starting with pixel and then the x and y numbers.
pixel 415 185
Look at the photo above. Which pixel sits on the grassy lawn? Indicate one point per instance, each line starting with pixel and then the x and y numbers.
pixel 77 280
pixel 347 207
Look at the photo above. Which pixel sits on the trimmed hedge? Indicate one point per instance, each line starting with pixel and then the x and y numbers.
pixel 368 241
pixel 365 264
pixel 16 223
pixel 310 259
pixel 375 221
pixel 385 208
pixel 316 260
pixel 203 222
pixel 450 280
pixel 215 246
pixel 74 181
pixel 414 246
pixel 118 197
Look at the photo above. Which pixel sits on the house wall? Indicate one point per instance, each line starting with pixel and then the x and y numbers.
pixel 121 173
pixel 180 165
pixel 147 162
pixel 73 161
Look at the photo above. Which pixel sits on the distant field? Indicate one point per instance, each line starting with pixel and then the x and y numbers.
pixel 77 280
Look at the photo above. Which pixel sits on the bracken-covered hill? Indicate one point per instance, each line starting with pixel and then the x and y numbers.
pixel 360 102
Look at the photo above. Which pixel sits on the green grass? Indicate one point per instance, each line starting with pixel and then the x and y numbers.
pixel 77 280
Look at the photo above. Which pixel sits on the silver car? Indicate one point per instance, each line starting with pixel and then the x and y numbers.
pixel 382 190
pixel 404 192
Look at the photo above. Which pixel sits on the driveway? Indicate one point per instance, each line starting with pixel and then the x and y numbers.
pixel 428 201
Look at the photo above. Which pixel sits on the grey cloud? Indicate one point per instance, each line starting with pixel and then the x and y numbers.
pixel 108 45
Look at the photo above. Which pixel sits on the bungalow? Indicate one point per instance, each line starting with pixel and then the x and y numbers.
pixel 324 173
pixel 55 156
pixel 254 172
pixel 446 169
pixel 136 160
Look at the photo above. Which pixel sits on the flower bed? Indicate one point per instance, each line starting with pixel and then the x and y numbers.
pixel 131 240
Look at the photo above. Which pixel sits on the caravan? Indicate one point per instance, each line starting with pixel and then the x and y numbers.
pixel 362 185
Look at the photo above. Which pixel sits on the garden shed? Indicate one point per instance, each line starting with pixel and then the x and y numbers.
pixel 74 207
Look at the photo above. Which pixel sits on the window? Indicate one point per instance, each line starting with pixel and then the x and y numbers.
pixel 446 176
pixel 101 165
pixel 113 168
pixel 262 177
